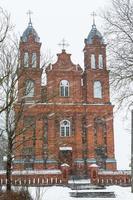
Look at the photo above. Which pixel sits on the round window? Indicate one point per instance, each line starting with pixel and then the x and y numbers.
pixel 65 122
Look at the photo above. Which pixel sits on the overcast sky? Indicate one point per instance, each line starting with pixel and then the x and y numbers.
pixel 57 19
pixel 72 20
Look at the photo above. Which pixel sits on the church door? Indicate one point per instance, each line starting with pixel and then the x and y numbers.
pixel 65 156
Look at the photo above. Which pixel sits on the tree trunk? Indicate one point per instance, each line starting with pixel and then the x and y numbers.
pixel 9 167
pixel 8 175
pixel 132 151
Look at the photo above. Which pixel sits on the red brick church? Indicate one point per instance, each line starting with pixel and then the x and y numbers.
pixel 70 119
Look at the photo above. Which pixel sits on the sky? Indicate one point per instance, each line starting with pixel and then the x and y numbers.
pixel 57 19
pixel 71 20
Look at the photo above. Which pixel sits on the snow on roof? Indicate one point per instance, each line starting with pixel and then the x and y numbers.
pixel 65 165
pixel 29 172
pixel 65 148
pixel 80 181
pixel 30 31
pixel 94 33
pixel 93 165
pixel 2 172
pixel 118 172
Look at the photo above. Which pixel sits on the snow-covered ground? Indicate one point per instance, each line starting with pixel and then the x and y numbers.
pixel 62 193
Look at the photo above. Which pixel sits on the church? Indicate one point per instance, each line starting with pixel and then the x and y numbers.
pixel 70 119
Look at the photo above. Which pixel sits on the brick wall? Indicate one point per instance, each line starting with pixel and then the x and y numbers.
pixel 119 177
pixel 79 107
pixel 36 178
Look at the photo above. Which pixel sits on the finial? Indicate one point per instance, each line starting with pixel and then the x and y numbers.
pixel 63 44
pixel 93 15
pixel 29 13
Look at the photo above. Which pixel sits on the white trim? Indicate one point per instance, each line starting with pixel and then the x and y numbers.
pixel 100 61
pixel 65 148
pixel 82 84
pixel 93 61
pixel 64 84
pixel 66 128
pixel 97 89
pixel 72 104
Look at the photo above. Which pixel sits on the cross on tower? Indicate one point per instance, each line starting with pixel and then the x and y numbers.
pixel 29 13
pixel 93 15
pixel 63 44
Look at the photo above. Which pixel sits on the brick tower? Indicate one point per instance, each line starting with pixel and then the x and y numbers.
pixel 99 111
pixel 70 119
pixel 29 93
pixel 30 72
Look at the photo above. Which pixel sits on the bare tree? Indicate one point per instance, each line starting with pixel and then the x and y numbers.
pixel 3 148
pixel 5 25
pixel 5 29
pixel 8 80
pixel 9 77
pixel 119 34
pixel 9 121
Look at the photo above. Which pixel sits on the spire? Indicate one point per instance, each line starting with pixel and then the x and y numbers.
pixel 30 30
pixel 93 15
pixel 29 13
pixel 94 32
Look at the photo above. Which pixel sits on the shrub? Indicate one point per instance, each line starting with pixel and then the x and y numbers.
pixel 19 195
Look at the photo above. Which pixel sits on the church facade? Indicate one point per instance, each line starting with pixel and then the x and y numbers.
pixel 70 119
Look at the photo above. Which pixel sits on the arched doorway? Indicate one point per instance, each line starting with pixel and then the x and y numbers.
pixel 65 155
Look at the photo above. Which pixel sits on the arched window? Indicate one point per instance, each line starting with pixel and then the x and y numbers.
pixel 29 88
pixel 26 59
pixel 97 89
pixel 34 60
pixel 100 60
pixel 65 128
pixel 64 88
pixel 93 61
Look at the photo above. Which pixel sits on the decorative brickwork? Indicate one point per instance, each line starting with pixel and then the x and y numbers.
pixel 118 177
pixel 72 117
pixel 35 178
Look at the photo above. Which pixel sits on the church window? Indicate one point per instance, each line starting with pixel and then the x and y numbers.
pixel 28 157
pixel 93 61
pixel 97 89
pixel 29 122
pixel 26 59
pixel 64 88
pixel 34 60
pixel 65 128
pixel 29 90
pixel 82 83
pixel 100 61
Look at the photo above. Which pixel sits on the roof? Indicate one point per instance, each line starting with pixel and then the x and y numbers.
pixel 94 33
pixel 30 31
pixel 94 165
pixel 65 165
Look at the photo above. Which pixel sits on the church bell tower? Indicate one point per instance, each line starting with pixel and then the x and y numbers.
pixel 30 73
pixel 100 136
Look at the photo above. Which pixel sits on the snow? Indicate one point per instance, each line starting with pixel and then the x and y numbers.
pixel 2 172
pixel 84 181
pixel 65 148
pixel 65 165
pixel 94 165
pixel 26 172
pixel 72 104
pixel 118 172
pixel 62 193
